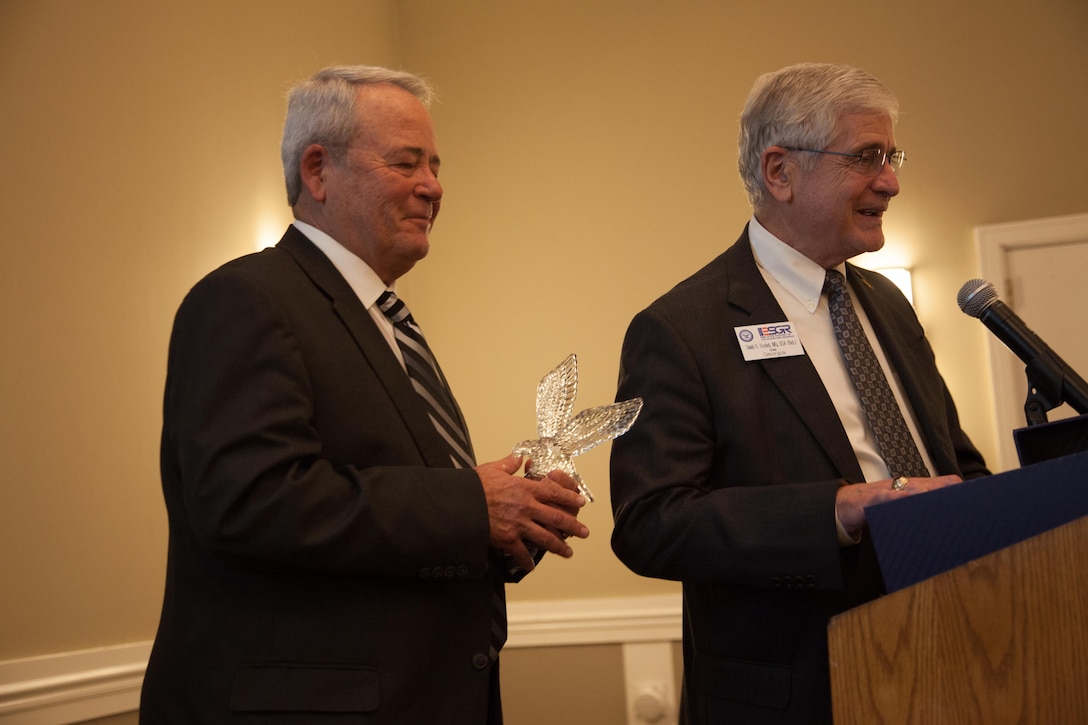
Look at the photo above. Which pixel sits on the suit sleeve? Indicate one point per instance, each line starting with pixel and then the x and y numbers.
pixel 270 461
pixel 697 491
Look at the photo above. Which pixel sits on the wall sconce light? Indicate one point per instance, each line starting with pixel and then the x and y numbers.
pixel 900 277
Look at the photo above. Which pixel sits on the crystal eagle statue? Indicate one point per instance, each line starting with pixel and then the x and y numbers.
pixel 562 437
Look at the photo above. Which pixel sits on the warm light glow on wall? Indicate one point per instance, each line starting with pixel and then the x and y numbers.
pixel 268 233
pixel 900 276
pixel 269 228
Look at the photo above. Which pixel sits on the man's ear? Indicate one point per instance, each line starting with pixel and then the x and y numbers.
pixel 313 165
pixel 778 172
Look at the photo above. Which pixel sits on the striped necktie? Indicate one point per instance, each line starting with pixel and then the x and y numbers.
pixel 432 389
pixel 427 381
pixel 893 438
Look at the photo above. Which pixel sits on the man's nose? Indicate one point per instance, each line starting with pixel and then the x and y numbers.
pixel 429 187
pixel 887 181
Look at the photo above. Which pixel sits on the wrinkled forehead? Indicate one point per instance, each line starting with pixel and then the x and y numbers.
pixel 864 128
pixel 389 116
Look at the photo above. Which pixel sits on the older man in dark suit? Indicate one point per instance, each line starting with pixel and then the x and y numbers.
pixel 335 553
pixel 785 390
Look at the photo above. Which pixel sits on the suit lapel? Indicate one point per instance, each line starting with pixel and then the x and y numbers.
pixel 372 344
pixel 752 303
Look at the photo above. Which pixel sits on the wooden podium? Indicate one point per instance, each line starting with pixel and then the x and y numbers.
pixel 987 619
pixel 1002 639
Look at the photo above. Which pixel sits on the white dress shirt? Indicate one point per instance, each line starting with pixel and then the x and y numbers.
pixel 365 282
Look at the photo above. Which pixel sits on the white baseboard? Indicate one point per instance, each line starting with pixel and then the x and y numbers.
pixel 618 620
pixel 72 686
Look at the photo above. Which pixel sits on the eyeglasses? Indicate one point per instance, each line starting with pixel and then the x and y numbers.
pixel 869 162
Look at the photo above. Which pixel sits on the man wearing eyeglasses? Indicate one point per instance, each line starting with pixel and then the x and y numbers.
pixel 784 391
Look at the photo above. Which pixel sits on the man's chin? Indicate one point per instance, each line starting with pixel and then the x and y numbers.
pixel 869 241
pixel 417 250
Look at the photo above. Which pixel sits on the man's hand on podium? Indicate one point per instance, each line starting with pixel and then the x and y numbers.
pixel 852 500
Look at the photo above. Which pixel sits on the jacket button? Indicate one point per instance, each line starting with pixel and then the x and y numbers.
pixel 479 660
pixel 424 573
pixel 462 570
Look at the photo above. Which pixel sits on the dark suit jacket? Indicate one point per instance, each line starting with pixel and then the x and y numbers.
pixel 727 482
pixel 326 563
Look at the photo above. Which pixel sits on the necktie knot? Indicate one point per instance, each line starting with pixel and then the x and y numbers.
pixel 834 284
pixel 394 308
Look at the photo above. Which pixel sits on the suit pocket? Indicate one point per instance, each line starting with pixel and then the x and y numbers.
pixel 305 688
pixel 751 683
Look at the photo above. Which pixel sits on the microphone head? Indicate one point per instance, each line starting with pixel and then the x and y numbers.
pixel 975 296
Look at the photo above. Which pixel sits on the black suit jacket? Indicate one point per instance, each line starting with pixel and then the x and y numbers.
pixel 326 563
pixel 728 482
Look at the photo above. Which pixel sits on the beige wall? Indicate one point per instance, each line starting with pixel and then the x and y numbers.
pixel 589 164
pixel 141 150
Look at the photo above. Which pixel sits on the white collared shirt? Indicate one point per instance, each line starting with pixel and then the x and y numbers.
pixel 797 284
pixel 363 280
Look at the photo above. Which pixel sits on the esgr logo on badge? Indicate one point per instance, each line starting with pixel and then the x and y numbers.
pixel 768 340
pixel 779 330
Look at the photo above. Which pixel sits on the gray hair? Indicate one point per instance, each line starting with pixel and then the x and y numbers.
pixel 321 110
pixel 801 106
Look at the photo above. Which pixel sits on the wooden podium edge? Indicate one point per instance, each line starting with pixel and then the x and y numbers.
pixel 1001 639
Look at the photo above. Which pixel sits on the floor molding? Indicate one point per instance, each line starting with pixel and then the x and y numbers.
pixel 72 686
pixel 612 620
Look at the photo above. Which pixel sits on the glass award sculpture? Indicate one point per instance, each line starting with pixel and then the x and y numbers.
pixel 562 437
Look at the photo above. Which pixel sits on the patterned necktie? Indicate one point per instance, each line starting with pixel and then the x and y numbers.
pixel 893 438
pixel 432 389
pixel 428 383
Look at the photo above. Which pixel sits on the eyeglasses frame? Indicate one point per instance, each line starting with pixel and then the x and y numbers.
pixel 885 157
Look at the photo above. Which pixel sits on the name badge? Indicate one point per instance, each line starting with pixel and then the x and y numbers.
pixel 771 340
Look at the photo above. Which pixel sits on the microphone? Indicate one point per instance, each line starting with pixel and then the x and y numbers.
pixel 1046 371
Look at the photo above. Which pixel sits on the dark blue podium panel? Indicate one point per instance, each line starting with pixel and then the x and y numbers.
pixel 1057 438
pixel 924 535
